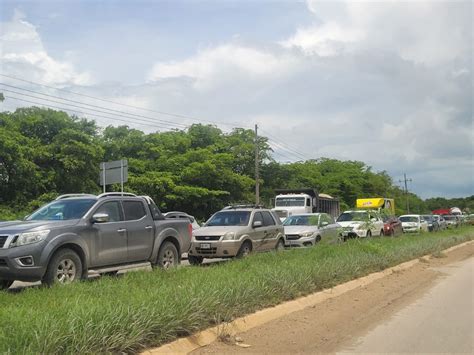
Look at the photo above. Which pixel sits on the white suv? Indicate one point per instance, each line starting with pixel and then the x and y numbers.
pixel 357 224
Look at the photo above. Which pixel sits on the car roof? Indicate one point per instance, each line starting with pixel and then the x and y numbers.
pixel 244 209
pixel 307 214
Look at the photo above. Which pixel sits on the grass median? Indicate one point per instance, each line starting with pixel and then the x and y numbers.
pixel 144 309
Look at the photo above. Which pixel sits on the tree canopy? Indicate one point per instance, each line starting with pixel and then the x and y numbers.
pixel 199 170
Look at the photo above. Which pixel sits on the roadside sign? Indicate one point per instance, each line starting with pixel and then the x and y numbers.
pixel 113 172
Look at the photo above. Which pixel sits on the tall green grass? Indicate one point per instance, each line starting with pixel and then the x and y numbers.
pixel 143 309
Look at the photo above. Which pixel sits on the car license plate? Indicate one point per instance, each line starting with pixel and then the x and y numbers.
pixel 206 246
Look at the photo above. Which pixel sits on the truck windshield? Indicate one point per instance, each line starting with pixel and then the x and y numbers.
pixel 62 210
pixel 289 201
pixel 301 221
pixel 229 218
pixel 353 216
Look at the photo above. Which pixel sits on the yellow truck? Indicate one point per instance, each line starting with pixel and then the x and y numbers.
pixel 381 204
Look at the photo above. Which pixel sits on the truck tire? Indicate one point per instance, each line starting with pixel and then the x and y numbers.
pixel 5 284
pixel 195 260
pixel 167 256
pixel 369 234
pixel 245 250
pixel 64 267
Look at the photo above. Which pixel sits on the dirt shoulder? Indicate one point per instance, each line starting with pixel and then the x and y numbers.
pixel 327 326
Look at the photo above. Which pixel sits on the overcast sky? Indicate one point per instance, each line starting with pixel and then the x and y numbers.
pixel 387 82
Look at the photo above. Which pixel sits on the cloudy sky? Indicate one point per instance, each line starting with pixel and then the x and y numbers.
pixel 385 82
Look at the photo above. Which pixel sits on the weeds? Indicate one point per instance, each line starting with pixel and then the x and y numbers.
pixel 144 309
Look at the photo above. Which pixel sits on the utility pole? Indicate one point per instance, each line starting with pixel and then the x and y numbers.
pixel 257 177
pixel 405 180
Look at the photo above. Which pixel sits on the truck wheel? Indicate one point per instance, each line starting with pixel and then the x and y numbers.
pixel 318 239
pixel 280 245
pixel 64 267
pixel 382 233
pixel 244 250
pixel 167 256
pixel 369 234
pixel 5 284
pixel 195 260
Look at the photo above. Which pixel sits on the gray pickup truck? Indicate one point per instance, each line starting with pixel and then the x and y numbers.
pixel 79 233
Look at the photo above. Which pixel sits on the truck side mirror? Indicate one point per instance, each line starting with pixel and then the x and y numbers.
pixel 257 224
pixel 100 218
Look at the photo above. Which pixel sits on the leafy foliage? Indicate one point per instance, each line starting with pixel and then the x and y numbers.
pixel 199 170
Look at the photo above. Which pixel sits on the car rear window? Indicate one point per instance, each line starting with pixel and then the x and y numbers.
pixel 133 210
pixel 268 219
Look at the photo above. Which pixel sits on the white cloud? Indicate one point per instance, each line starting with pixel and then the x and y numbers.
pixel 209 66
pixel 387 83
pixel 431 32
pixel 23 54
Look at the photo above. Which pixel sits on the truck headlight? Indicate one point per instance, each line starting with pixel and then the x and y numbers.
pixel 30 238
pixel 229 236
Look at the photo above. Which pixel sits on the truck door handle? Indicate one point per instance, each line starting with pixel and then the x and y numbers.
pixel 122 230
pixel 148 227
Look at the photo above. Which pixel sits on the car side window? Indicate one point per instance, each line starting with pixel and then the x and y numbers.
pixel 112 208
pixel 257 217
pixel 268 219
pixel 133 210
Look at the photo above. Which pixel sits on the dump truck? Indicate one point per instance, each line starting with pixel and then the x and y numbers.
pixel 305 200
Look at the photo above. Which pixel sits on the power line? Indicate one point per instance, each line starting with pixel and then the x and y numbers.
pixel 82 112
pixel 89 109
pixel 286 154
pixel 121 113
pixel 280 141
pixel 122 104
pixel 281 147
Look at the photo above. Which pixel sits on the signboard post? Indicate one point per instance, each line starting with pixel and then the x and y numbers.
pixel 113 172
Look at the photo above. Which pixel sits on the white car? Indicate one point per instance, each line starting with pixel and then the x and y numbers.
pixel 413 223
pixel 306 229
pixel 182 215
pixel 357 224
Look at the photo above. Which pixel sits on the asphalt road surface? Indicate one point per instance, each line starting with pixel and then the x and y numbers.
pixel 441 321
pixel 427 308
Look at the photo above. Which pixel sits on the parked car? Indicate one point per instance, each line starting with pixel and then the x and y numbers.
pixel 413 223
pixel 79 233
pixel 433 225
pixel 182 215
pixel 452 221
pixel 305 230
pixel 356 224
pixel 237 231
pixel 470 219
pixel 392 226
pixel 441 221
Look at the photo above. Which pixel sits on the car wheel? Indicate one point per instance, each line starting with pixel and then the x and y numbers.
pixel 280 245
pixel 195 260
pixel 5 284
pixel 167 256
pixel 382 233
pixel 64 267
pixel 369 234
pixel 244 250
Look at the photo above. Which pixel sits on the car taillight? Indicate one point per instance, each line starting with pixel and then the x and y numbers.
pixel 190 230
